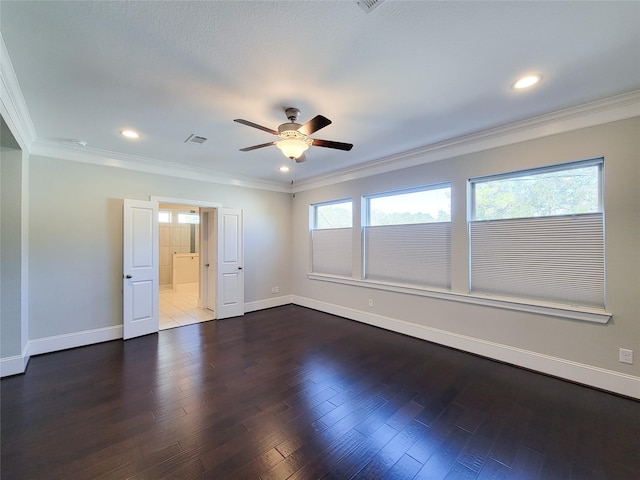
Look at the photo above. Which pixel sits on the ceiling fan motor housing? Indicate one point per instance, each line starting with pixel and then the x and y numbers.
pixel 289 127
pixel 292 113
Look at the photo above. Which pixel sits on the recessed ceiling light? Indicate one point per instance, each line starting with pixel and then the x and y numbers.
pixel 527 81
pixel 130 134
pixel 284 169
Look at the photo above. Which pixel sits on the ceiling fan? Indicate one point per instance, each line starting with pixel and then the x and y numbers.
pixel 294 138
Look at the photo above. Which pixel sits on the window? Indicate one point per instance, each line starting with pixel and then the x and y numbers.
pixel 407 238
pixel 189 217
pixel 164 216
pixel 539 234
pixel 333 215
pixel 331 237
pixel 421 206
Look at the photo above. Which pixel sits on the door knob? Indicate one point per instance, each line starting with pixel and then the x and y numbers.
pixel 127 276
pixel 239 268
pixel 206 265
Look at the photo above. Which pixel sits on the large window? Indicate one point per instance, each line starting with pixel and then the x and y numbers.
pixel 331 237
pixel 407 237
pixel 539 234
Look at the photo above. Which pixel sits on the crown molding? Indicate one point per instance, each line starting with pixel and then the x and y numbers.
pixel 16 114
pixel 619 107
pixel 106 158
pixel 13 107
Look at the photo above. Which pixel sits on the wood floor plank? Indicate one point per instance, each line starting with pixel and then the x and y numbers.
pixel 291 392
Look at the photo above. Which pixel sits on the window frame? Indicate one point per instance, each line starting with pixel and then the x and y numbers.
pixel 366 204
pixel 532 292
pixel 439 282
pixel 313 212
pixel 333 261
pixel 598 161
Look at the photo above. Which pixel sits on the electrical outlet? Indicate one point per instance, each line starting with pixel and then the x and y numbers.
pixel 371 303
pixel 276 289
pixel 626 356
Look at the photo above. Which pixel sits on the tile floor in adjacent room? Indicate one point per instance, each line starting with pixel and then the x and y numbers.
pixel 180 307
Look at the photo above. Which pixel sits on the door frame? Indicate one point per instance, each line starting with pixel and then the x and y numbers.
pixel 157 200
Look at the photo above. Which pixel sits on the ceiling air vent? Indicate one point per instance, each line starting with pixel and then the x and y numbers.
pixel 369 5
pixel 195 139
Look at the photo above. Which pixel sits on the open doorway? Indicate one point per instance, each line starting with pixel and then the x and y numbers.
pixel 221 274
pixel 180 266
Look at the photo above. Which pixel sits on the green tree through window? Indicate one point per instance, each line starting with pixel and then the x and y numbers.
pixel 564 192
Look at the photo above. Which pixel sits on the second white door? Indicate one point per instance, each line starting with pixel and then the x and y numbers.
pixel 230 273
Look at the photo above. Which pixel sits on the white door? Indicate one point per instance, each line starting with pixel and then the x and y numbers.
pixel 140 268
pixel 230 281
pixel 212 259
pixel 208 260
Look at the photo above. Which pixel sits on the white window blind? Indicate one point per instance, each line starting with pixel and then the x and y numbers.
pixel 416 254
pixel 557 259
pixel 331 251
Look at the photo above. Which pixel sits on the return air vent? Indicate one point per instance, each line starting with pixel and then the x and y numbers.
pixel 369 5
pixel 195 139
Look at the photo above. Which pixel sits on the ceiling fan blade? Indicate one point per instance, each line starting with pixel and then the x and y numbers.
pixel 248 149
pixel 329 144
pixel 301 158
pixel 315 124
pixel 255 125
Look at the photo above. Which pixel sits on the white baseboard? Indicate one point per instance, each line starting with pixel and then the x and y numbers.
pixel 18 363
pixel 15 364
pixel 601 378
pixel 73 340
pixel 268 303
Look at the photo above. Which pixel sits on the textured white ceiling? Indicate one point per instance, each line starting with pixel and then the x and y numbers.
pixel 409 74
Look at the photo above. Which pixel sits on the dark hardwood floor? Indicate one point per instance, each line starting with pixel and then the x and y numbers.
pixel 294 393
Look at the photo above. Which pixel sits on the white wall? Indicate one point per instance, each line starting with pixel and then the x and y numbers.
pixel 76 240
pixel 558 346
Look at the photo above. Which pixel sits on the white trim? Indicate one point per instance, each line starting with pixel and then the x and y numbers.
pixel 599 112
pixel 619 107
pixel 184 201
pixel 584 314
pixel 15 364
pixel 137 163
pixel 14 109
pixel 267 303
pixel 73 340
pixel 601 378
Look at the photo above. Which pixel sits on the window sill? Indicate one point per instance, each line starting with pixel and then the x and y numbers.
pixel 585 314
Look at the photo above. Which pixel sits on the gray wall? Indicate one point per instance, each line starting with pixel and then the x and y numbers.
pixel 587 343
pixel 10 251
pixel 76 239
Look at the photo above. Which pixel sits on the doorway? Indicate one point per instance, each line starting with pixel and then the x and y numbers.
pixel 220 258
pixel 179 266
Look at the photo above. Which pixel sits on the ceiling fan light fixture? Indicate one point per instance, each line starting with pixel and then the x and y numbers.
pixel 292 148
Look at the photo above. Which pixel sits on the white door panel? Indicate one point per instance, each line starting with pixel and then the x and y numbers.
pixel 230 282
pixel 140 268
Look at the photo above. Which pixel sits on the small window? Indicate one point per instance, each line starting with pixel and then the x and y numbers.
pixel 164 216
pixel 192 218
pixel 331 237
pixel 333 215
